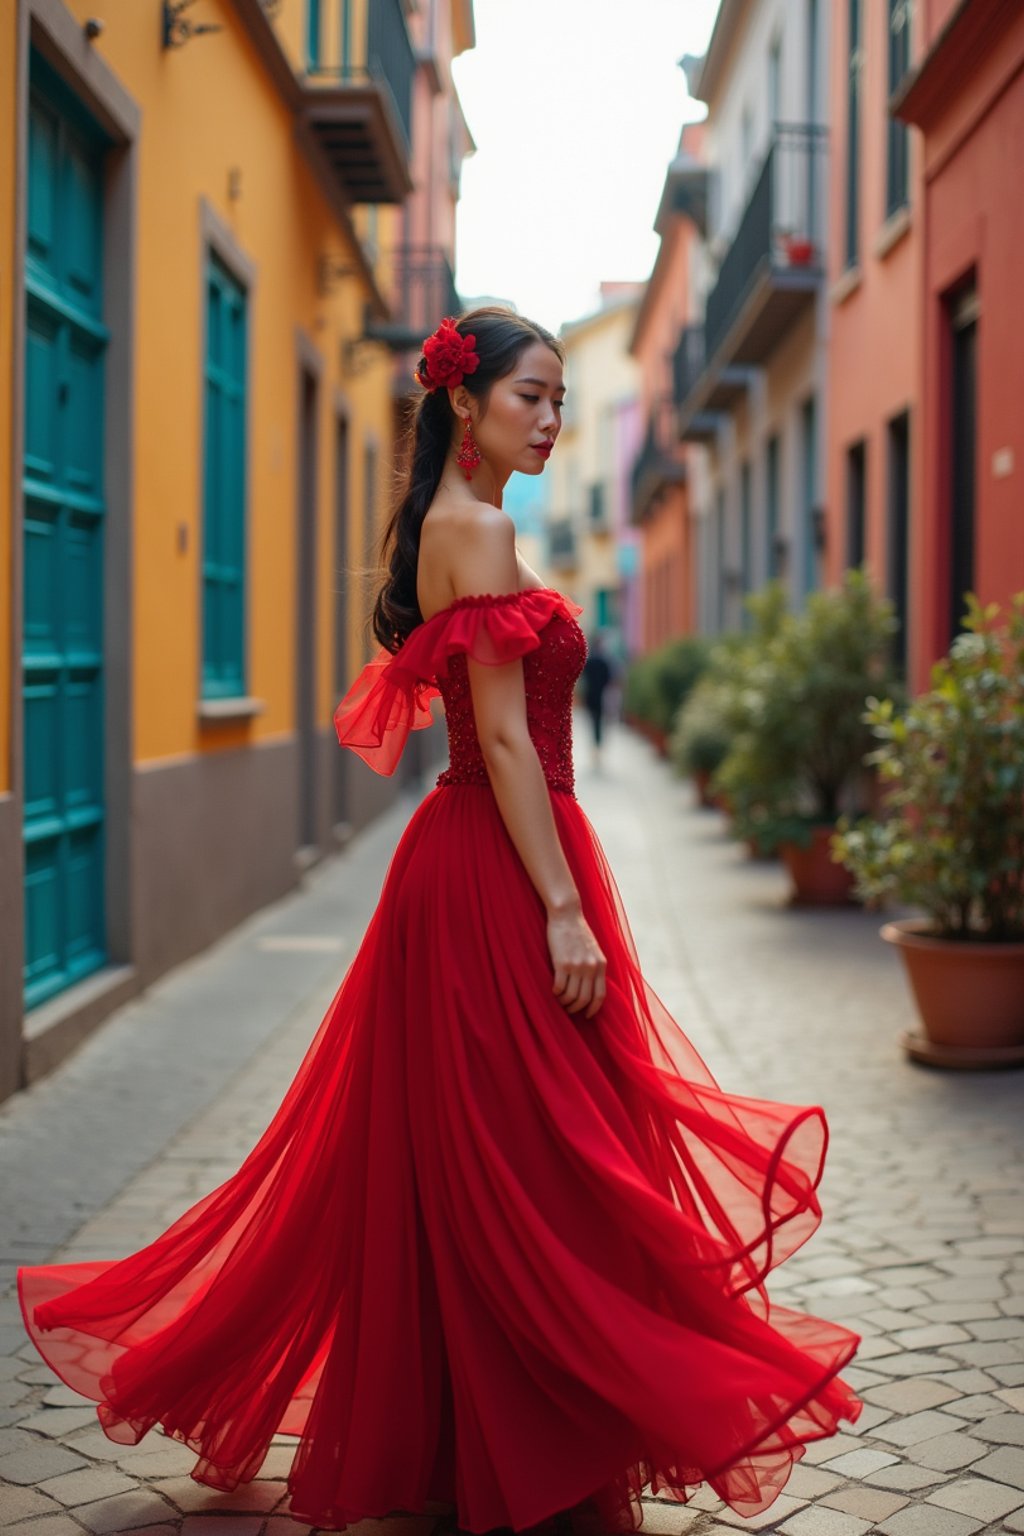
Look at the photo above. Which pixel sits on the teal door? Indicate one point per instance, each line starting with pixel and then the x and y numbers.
pixel 65 344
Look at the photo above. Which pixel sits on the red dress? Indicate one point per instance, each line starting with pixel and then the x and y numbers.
pixel 487 1251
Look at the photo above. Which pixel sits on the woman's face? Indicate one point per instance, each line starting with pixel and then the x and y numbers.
pixel 523 416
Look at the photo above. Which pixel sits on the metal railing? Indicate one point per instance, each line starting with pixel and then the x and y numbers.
pixel 656 464
pixel 390 61
pixel 782 227
pixel 688 361
pixel 421 293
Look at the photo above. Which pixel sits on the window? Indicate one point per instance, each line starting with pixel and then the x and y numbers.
pixel 856 499
pixel 775 82
pixel 961 415
pixel 897 133
pixel 369 519
pixel 898 552
pixel 224 456
pixel 746 514
pixel 598 507
pixel 746 145
pixel 809 491
pixel 812 61
pixel 607 608
pixel 773 563
pixel 313 35
pixel 346 37
pixel 855 60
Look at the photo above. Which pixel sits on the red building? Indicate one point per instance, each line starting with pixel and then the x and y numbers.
pixel 966 95
pixel 876 214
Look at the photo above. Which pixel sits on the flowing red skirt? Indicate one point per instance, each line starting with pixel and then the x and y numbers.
pixel 487 1252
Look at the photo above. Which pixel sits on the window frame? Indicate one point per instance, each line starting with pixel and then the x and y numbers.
pixel 225 445
pixel 855 60
pixel 897 139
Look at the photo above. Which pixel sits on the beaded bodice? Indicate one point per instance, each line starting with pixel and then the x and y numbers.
pixel 393 693
pixel 550 674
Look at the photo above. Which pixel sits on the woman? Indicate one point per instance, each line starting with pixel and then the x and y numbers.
pixel 501 1251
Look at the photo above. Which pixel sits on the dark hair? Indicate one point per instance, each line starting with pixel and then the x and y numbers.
pixel 502 337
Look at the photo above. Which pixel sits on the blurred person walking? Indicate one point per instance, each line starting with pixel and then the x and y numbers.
pixel 599 671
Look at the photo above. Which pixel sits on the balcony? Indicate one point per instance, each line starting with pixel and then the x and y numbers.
pixel 421 293
pixel 562 551
pixel 599 518
pixel 360 109
pixel 718 392
pixel 769 275
pixel 656 467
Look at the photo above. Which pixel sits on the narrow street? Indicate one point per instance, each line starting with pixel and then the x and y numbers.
pixel 920 1250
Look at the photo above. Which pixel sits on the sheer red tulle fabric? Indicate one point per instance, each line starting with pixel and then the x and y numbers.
pixel 487 1252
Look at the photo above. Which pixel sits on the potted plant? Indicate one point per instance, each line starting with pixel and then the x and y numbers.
pixel 710 719
pixel 700 736
pixel 799 249
pixel 798 762
pixel 952 843
pixel 659 682
pixel 638 691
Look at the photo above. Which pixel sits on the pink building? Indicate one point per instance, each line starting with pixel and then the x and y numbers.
pixel 661 499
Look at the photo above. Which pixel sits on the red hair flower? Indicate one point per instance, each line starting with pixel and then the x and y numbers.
pixel 448 357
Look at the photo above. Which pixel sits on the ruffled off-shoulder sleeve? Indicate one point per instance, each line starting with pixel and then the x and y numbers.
pixel 393 693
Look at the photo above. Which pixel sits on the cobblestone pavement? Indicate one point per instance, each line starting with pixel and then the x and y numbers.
pixel 921 1248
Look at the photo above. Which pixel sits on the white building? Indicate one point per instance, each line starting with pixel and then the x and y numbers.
pixel 750 371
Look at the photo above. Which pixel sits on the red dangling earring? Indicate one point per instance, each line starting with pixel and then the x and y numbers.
pixel 469 455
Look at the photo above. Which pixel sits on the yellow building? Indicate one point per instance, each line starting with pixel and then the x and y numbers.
pixel 211 253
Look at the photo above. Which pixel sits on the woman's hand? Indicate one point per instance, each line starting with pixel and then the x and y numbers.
pixel 578 962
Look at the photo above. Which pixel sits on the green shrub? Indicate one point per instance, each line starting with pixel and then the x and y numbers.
pixel 657 683
pixel 716 712
pixel 952 841
pixel 798 752
pixel 701 733
pixel 638 689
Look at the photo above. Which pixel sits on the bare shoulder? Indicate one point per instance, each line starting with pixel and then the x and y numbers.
pixel 484 557
pixel 465 548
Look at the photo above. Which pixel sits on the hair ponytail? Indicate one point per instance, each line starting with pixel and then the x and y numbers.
pixel 501 338
pixel 396 611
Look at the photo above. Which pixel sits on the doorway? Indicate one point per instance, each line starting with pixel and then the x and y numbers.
pixel 962 437
pixel 898 553
pixel 305 612
pixel 63 482
pixel 342 798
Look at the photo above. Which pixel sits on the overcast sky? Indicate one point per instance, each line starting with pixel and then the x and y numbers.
pixel 576 107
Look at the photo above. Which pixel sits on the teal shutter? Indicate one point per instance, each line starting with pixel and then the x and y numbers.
pixel 63 484
pixel 313 34
pixel 346 39
pixel 224 451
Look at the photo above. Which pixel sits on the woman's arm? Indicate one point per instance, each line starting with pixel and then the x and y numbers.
pixel 486 563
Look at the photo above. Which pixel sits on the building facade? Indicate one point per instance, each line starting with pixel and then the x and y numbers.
pixel 750 367
pixel 965 94
pixel 587 496
pixel 876 216
pixel 662 479
pixel 202 245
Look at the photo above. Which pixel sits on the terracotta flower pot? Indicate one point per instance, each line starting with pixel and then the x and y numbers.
pixel 970 996
pixel 702 780
pixel 799 251
pixel 817 880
